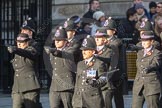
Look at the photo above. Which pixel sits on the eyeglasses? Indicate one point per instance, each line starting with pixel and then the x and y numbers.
pixel 159 6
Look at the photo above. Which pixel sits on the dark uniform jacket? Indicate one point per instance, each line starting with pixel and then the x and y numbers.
pixel 64 69
pixel 105 55
pixel 74 47
pixel 84 93
pixel 25 78
pixel 115 44
pixel 147 75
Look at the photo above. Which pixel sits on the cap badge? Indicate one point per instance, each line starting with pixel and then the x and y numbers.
pixel 106 23
pixel 84 43
pixel 57 34
pixel 142 24
pixel 24 24
pixel 65 24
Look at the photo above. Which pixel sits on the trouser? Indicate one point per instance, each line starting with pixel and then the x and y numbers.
pixel 117 93
pixel 160 101
pixel 56 98
pixel 28 99
pixel 152 101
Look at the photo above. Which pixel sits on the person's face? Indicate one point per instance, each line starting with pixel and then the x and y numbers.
pixel 27 31
pixel 87 28
pixel 134 17
pixel 137 1
pixel 100 41
pixel 70 34
pixel 95 5
pixel 147 43
pixel 110 32
pixel 159 8
pixel 159 23
pixel 60 43
pixel 87 53
pixel 153 10
pixel 103 18
pixel 22 45
pixel 140 11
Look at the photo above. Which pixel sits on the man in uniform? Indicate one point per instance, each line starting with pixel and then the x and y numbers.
pixel 117 78
pixel 64 68
pixel 74 41
pixel 147 84
pixel 90 78
pixel 25 91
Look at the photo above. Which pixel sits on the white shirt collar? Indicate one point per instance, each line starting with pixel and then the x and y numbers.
pixel 88 60
pixel 100 47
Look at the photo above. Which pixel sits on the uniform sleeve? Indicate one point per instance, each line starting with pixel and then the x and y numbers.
pixel 30 53
pixel 155 64
pixel 102 80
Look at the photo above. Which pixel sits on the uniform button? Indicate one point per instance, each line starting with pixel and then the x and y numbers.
pixel 82 89
pixel 55 62
pixel 143 77
pixel 17 70
pixel 67 76
pixel 17 75
pixel 83 80
pixel 55 68
pixel 55 58
pixel 15 59
pixel 55 74
pixel 83 77
pixel 142 60
pixel 15 64
pixel 82 83
pixel 83 71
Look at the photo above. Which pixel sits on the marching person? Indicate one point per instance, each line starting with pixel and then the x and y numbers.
pixel 64 68
pixel 26 88
pixel 116 79
pixel 74 40
pixel 29 27
pixel 147 84
pixel 103 53
pixel 90 78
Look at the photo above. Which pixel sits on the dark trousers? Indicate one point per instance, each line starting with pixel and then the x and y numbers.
pixel 57 98
pixel 152 101
pixel 28 99
pixel 160 101
pixel 117 93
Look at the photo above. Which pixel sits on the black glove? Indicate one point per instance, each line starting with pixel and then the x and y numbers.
pixel 49 50
pixel 92 81
pixel 145 70
pixel 134 47
pixel 11 49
